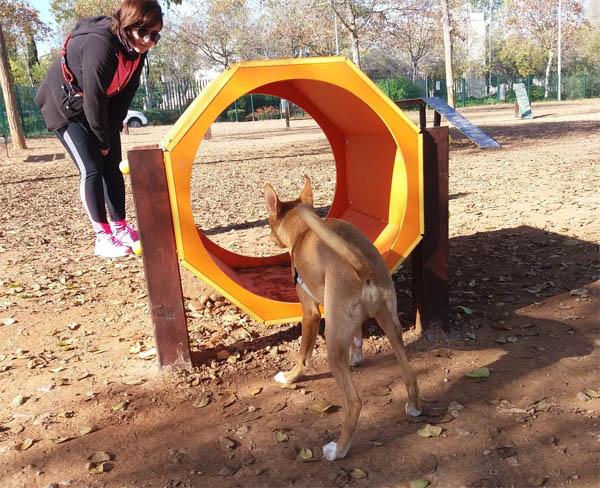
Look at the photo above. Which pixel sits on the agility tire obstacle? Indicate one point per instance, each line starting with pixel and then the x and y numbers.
pixel 379 155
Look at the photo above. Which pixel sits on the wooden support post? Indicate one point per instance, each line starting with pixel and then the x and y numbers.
pixel 437 119
pixel 422 116
pixel 159 252
pixel 287 114
pixel 430 257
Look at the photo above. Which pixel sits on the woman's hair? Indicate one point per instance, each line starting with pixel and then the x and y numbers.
pixel 137 13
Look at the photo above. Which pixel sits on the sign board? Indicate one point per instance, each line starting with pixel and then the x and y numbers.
pixel 525 111
pixel 473 132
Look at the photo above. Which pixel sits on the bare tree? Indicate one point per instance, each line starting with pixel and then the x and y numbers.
pixel 293 30
pixel 447 28
pixel 537 19
pixel 415 32
pixel 10 99
pixel 222 32
pixel 356 17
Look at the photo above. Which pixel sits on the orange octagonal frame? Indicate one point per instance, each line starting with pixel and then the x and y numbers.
pixel 378 155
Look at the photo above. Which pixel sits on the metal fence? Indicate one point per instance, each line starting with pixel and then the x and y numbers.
pixel 164 102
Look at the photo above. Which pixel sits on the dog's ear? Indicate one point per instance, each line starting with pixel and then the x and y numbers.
pixel 271 199
pixel 306 196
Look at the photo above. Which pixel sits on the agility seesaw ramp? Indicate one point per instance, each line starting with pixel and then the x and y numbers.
pixel 378 157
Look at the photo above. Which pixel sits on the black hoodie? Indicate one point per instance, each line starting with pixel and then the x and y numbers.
pixel 92 57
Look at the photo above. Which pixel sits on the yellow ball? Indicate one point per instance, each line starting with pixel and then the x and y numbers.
pixel 124 167
pixel 137 248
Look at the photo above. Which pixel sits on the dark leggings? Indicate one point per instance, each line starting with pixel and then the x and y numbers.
pixel 101 181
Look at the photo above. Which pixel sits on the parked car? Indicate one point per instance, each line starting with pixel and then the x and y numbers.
pixel 135 119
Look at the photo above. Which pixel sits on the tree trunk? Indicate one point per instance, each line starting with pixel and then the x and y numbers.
pixel 414 71
pixel 547 76
pixel 354 43
pixel 448 51
pixel 10 99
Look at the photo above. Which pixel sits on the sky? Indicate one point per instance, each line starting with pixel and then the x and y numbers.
pixel 44 8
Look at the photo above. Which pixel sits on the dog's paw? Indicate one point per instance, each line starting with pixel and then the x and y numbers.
pixel 412 411
pixel 282 378
pixel 329 451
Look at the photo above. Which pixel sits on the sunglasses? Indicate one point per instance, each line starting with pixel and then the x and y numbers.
pixel 144 33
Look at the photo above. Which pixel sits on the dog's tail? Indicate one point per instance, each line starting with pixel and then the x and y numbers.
pixel 346 250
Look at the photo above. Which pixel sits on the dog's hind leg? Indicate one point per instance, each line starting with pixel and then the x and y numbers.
pixel 311 317
pixel 390 324
pixel 338 343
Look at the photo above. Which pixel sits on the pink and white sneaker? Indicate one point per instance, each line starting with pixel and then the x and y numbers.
pixel 125 233
pixel 107 246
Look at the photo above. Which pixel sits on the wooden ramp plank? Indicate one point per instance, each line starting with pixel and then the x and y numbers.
pixel 474 133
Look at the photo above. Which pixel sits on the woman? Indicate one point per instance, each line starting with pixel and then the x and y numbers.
pixel 84 98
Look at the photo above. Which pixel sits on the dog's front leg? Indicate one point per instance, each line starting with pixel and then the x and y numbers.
pixel 311 316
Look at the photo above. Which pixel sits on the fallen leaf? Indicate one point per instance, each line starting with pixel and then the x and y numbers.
pixel 306 454
pixel 26 444
pixel 466 310
pixel 121 406
pixel 256 391
pixel 229 400
pixel 278 407
pixel 592 393
pixel 479 373
pixel 323 406
pixel 98 468
pixel 60 440
pixel 134 382
pixel 203 401
pixel 420 483
pixel 19 400
pixel 580 292
pixel 597 342
pixel 536 481
pixel 281 436
pixel 9 321
pixel 358 474
pixel 86 430
pixel 429 430
pixel 342 478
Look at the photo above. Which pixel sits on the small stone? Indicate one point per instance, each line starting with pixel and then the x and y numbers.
pixel 582 396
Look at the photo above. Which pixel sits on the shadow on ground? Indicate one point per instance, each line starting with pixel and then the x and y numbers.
pixel 502 276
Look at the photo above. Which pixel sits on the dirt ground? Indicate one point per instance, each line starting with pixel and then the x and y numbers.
pixel 83 403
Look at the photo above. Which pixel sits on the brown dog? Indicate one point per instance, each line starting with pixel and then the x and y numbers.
pixel 336 265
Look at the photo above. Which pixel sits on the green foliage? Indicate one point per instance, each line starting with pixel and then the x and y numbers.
pixel 162 117
pixel 68 12
pixel 230 115
pixel 399 88
pixel 18 67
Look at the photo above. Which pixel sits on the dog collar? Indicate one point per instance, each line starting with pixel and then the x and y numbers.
pixel 298 281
